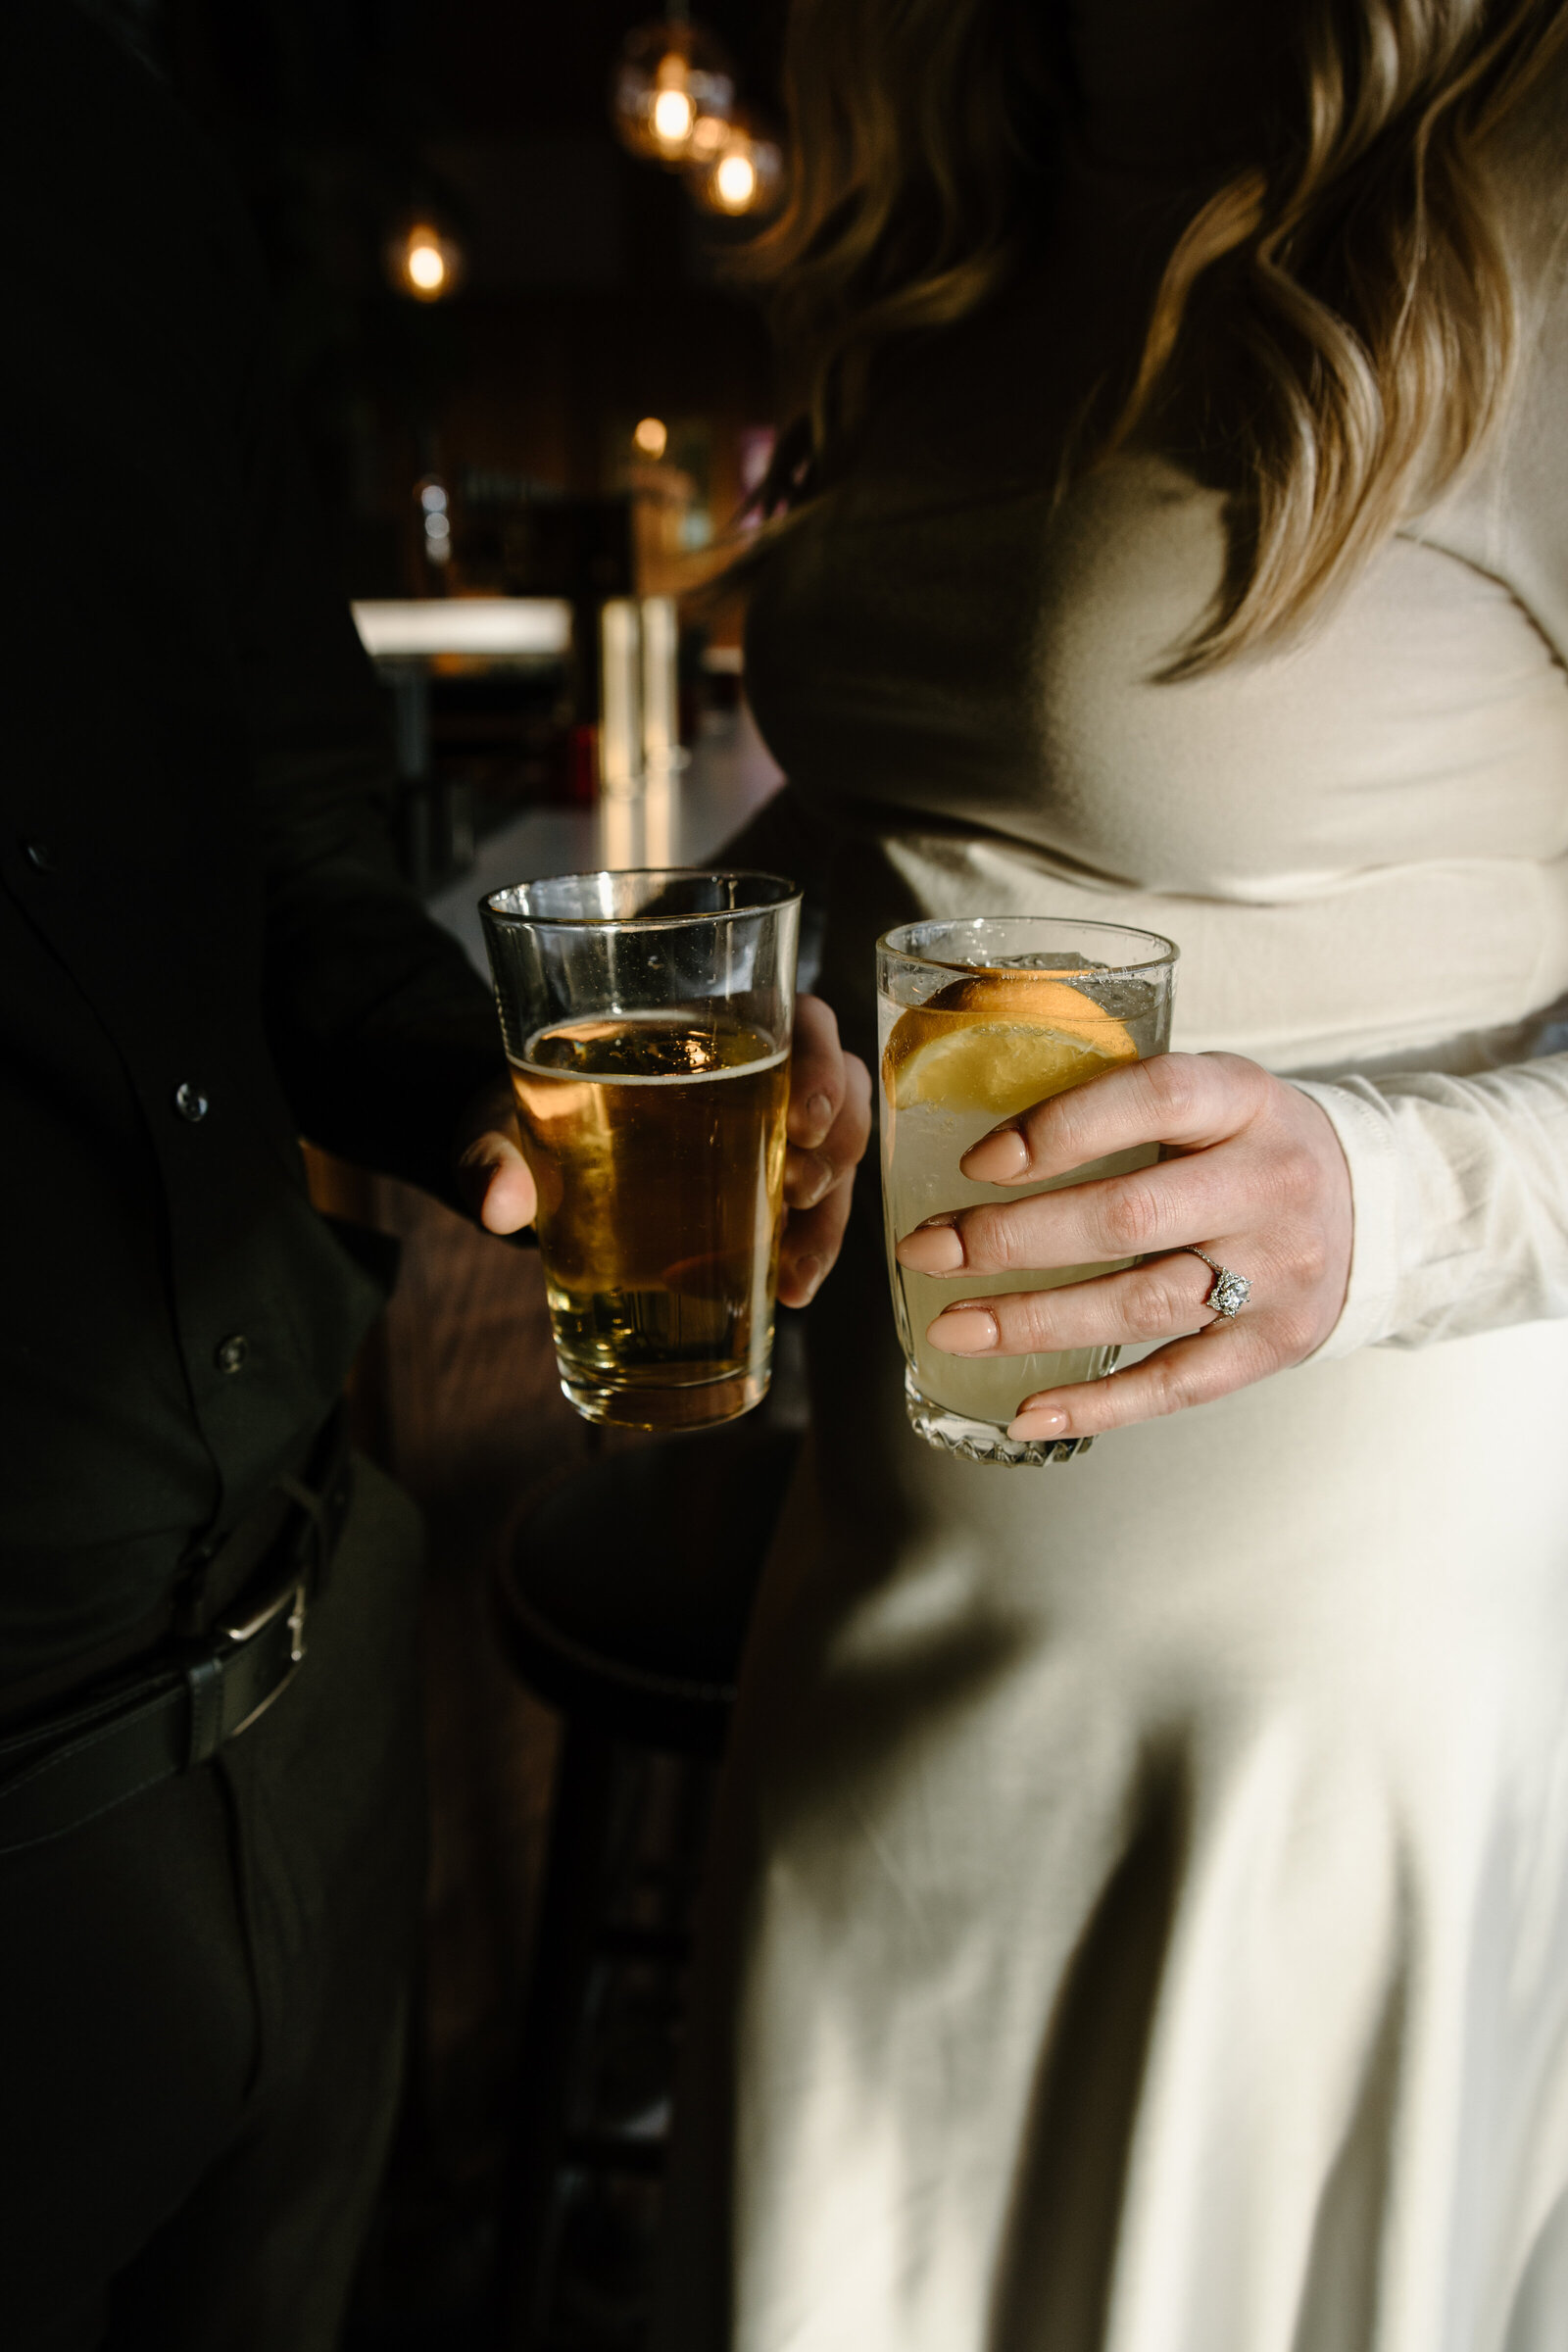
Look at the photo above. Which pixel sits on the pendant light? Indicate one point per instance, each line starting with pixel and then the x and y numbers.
pixel 425 260
pixel 744 174
pixel 672 92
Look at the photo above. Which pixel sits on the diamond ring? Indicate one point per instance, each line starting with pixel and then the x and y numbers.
pixel 1229 1292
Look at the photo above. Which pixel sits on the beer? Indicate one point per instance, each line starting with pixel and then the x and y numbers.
pixel 977 1052
pixel 657 1143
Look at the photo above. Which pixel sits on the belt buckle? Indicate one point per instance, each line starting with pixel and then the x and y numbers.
pixel 294 1598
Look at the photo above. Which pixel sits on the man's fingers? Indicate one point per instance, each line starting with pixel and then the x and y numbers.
pixel 812 1238
pixel 492 1177
pixel 813 1229
pixel 817 1074
pixel 809 1175
pixel 508 1201
pixel 496 1182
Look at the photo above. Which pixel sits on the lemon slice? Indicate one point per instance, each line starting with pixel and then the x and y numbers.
pixel 999 1042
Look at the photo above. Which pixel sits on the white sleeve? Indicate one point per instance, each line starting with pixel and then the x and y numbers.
pixel 1461 1189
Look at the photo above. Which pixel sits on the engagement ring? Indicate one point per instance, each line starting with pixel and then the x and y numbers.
pixel 1229 1292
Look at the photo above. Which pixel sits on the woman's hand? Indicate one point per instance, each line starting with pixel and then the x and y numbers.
pixel 1258 1182
pixel 828 1126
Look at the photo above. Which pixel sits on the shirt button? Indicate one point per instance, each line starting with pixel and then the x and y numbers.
pixel 191 1103
pixel 40 855
pixel 230 1354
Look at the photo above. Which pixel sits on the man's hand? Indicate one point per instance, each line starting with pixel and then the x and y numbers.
pixel 828 1127
pixel 492 1175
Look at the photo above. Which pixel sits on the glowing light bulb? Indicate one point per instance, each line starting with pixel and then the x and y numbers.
pixel 745 174
pixel 735 181
pixel 428 271
pixel 423 261
pixel 672 92
pixel 674 118
pixel 652 436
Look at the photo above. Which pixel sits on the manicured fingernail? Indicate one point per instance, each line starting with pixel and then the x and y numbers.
pixel 1038 1421
pixel 931 1249
pixel 965 1331
pixel 808 1272
pixel 997 1159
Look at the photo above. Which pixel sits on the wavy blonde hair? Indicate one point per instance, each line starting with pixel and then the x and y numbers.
pixel 1342 299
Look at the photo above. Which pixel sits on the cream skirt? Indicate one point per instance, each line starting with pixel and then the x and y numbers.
pixel 1141 1915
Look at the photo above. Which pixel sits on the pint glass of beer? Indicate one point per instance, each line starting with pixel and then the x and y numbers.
pixel 647 1021
pixel 978 1021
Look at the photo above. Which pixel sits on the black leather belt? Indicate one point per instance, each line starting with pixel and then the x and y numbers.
pixel 180 1706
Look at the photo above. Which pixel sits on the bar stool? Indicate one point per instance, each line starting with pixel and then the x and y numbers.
pixel 622 1601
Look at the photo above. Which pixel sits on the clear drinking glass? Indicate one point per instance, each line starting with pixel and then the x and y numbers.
pixel 647 1021
pixel 975 1021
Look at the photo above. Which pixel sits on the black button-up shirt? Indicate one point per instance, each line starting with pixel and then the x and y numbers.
pixel 205 949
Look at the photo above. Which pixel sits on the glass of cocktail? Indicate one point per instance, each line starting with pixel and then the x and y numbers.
pixel 646 1020
pixel 977 1021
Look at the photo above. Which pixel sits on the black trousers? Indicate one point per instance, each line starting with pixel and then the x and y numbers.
pixel 201 2007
